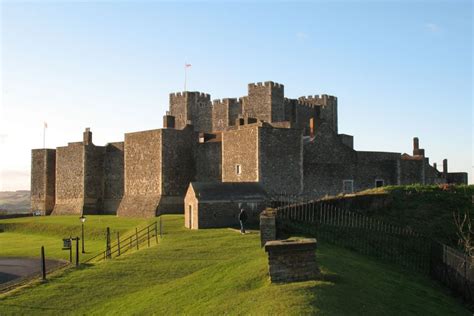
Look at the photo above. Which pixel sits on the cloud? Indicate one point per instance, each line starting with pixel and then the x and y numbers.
pixel 301 35
pixel 432 27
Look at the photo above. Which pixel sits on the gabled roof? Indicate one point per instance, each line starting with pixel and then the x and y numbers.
pixel 228 191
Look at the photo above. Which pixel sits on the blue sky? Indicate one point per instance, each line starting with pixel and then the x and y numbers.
pixel 399 68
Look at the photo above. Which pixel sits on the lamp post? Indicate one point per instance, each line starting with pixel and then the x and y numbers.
pixel 83 219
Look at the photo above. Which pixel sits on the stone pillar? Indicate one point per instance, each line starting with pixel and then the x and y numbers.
pixel 292 260
pixel 445 167
pixel 87 136
pixel 267 226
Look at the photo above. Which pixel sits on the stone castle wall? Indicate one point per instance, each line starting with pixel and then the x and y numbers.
pixel 143 174
pixel 93 178
pixel 281 160
pixel 43 180
pixel 240 147
pixel 113 177
pixel 69 179
pixel 209 161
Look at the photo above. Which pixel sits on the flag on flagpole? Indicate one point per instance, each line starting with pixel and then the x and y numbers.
pixel 187 65
pixel 45 124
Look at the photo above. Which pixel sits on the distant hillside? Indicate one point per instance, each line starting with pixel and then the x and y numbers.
pixel 15 201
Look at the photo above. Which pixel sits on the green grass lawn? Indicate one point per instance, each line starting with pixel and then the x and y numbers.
pixel 219 271
pixel 23 237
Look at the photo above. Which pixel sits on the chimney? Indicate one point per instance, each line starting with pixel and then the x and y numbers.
pixel 435 166
pixel 87 136
pixel 311 127
pixel 416 146
pixel 445 166
pixel 168 121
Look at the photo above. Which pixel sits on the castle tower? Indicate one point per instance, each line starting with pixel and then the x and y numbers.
pixel 265 102
pixel 224 113
pixel 192 108
pixel 43 180
pixel 326 106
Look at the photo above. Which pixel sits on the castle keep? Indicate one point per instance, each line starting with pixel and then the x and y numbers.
pixel 285 146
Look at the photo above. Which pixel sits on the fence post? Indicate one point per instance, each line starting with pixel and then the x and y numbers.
pixel 148 234
pixel 136 237
pixel 156 232
pixel 43 265
pixel 107 246
pixel 77 251
pixel 118 243
pixel 161 228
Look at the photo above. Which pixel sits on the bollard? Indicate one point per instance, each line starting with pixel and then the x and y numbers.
pixel 43 264
pixel 77 252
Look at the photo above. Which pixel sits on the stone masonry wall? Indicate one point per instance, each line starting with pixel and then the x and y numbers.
pixel 93 178
pixel 178 167
pixel 113 177
pixel 143 174
pixel 292 260
pixel 240 147
pixel 43 180
pixel 209 161
pixel 281 160
pixel 69 179
pixel 226 213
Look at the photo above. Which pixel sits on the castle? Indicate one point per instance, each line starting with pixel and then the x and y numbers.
pixel 286 146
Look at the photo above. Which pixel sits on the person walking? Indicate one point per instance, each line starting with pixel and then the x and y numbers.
pixel 242 220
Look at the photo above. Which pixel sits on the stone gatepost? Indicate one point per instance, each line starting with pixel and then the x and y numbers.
pixel 292 260
pixel 267 226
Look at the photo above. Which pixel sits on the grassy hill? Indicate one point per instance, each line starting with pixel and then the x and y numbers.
pixel 426 209
pixel 25 236
pixel 219 271
pixel 15 201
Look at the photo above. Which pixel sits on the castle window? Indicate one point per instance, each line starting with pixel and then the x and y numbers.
pixel 220 123
pixel 347 186
pixel 379 183
pixel 238 169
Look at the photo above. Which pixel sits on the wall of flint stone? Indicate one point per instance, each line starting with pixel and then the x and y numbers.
pixel 43 180
pixel 142 180
pixel 113 177
pixel 209 161
pixel 69 179
pixel 240 147
pixel 281 160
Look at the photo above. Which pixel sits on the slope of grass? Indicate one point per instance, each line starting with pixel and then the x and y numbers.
pixel 219 271
pixel 427 209
pixel 23 237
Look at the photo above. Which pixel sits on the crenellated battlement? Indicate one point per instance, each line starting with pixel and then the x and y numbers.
pixel 269 84
pixel 200 95
pixel 318 99
pixel 225 101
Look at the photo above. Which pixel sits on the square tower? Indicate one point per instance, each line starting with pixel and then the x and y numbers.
pixel 43 180
pixel 265 102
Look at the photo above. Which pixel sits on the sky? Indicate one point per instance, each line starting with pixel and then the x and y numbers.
pixel 400 69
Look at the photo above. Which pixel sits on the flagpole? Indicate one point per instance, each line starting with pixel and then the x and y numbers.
pixel 185 75
pixel 44 135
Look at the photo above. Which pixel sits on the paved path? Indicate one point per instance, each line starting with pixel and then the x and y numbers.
pixel 17 267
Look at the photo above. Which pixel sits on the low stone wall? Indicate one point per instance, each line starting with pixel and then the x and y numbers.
pixel 292 260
